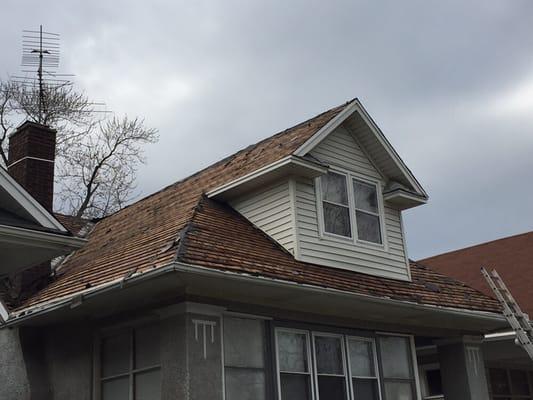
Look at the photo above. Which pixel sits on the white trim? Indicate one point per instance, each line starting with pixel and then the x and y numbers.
pixel 265 170
pixel 405 195
pixel 404 242
pixel 352 107
pixel 415 367
pixel 176 266
pixel 192 308
pixel 322 133
pixel 12 234
pixel 233 314
pixel 32 206
pixel 31 158
pixel 294 217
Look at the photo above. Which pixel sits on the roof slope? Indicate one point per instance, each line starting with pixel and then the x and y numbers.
pixel 143 235
pixel 512 257
pixel 219 237
pixel 180 223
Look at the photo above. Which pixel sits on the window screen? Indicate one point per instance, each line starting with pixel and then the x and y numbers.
pixel 130 364
pixel 294 367
pixel 244 359
pixel 398 375
pixel 367 211
pixel 335 205
pixel 330 367
pixel 363 369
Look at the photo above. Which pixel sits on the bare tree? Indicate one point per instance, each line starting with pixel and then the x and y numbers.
pixel 97 174
pixel 97 155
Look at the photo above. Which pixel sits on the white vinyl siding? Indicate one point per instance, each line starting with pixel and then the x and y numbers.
pixel 341 150
pixel 271 210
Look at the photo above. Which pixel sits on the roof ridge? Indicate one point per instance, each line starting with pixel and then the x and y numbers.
pixel 490 242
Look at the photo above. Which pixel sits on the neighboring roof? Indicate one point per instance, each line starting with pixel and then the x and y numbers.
pixel 76 225
pixel 180 224
pixel 512 257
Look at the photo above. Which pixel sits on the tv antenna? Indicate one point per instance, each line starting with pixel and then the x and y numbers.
pixel 40 62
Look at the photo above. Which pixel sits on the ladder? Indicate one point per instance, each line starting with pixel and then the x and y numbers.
pixel 518 320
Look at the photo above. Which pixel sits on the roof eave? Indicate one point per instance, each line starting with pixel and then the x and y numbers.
pixel 41 309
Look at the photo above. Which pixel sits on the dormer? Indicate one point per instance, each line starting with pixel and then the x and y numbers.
pixel 337 200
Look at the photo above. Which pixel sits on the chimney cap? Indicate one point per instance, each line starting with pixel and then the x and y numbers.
pixel 28 124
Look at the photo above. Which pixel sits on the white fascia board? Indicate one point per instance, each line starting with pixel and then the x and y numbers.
pixel 352 107
pixel 4 313
pixel 484 315
pixel 21 196
pixel 319 169
pixel 176 266
pixel 23 236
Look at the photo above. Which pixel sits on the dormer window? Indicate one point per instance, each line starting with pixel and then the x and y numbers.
pixel 343 203
pixel 367 211
pixel 336 205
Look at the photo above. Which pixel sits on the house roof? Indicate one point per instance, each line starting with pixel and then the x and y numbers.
pixel 512 257
pixel 179 223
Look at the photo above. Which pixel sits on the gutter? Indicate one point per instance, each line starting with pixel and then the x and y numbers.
pixel 77 298
pixel 14 234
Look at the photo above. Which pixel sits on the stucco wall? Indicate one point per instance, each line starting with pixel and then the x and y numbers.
pixel 13 379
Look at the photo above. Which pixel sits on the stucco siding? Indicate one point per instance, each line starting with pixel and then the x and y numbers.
pixel 271 210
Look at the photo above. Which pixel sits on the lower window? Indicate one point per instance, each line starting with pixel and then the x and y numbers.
pixel 244 359
pixel 130 364
pixel 315 365
pixel 510 384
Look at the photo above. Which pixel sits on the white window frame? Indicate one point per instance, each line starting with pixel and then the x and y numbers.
pixel 310 361
pixel 372 341
pixel 350 176
pixel 414 361
pixel 341 338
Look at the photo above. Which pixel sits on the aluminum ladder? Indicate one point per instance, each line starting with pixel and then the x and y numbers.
pixel 518 320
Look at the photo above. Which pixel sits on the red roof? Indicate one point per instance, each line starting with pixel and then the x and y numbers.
pixel 179 223
pixel 512 257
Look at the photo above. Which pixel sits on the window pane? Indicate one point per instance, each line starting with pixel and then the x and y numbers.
pixel 292 352
pixel 295 387
pixel 498 381
pixel 148 385
pixel 395 357
pixel 147 346
pixel 365 196
pixel 361 358
pixel 519 382
pixel 331 388
pixel 244 384
pixel 368 227
pixel 365 389
pixel 116 389
pixel 334 188
pixel 398 391
pixel 328 355
pixel 115 352
pixel 243 342
pixel 337 219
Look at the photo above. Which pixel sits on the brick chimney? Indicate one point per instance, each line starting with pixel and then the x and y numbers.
pixel 31 161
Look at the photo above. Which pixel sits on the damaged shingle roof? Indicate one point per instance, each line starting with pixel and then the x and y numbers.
pixel 145 235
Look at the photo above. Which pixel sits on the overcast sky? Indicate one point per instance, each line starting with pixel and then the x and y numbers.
pixel 449 82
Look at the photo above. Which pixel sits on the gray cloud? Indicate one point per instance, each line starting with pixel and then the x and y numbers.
pixel 450 83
